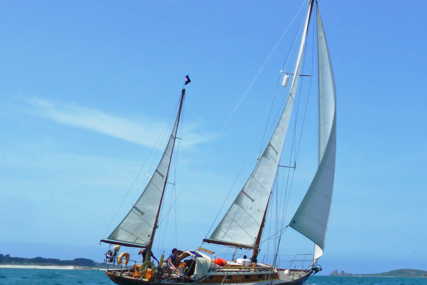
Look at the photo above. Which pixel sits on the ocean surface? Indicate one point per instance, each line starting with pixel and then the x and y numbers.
pixel 90 277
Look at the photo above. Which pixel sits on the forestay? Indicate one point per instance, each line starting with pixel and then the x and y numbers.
pixel 241 224
pixel 311 218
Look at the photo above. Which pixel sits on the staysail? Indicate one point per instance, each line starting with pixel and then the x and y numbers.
pixel 242 224
pixel 138 227
pixel 311 218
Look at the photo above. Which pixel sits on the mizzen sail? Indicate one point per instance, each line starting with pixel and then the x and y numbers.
pixel 138 227
pixel 311 218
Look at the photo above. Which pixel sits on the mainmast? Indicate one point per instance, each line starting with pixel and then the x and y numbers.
pixel 255 252
pixel 243 223
pixel 291 96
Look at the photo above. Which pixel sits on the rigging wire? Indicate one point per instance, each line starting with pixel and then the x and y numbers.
pixel 172 203
pixel 237 106
pixel 262 67
pixel 269 114
pixel 277 241
pixel 232 114
pixel 154 148
pixel 175 174
pixel 165 134
pixel 308 97
pixel 292 151
pixel 278 82
pixel 270 211
pixel 297 144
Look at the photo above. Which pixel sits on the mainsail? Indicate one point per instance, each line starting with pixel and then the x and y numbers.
pixel 311 218
pixel 242 224
pixel 138 227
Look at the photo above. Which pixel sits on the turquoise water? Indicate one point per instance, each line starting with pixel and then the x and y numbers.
pixel 52 277
pixel 332 280
pixel 92 277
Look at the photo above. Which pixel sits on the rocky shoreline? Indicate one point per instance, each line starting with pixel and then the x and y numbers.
pixel 393 273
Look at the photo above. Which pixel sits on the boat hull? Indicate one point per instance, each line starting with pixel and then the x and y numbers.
pixel 296 278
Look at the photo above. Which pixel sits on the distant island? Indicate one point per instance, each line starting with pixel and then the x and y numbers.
pixel 78 262
pixel 393 273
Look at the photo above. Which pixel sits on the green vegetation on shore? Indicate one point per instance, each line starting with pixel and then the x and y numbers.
pixel 393 273
pixel 7 259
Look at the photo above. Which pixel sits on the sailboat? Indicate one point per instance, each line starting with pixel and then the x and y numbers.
pixel 243 224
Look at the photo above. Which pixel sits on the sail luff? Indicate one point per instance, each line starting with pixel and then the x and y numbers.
pixel 312 216
pixel 295 79
pixel 178 116
pixel 243 222
pixel 139 225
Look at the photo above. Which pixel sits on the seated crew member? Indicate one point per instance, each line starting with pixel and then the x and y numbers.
pixel 171 261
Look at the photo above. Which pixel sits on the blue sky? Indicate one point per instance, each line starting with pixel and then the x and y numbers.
pixel 88 87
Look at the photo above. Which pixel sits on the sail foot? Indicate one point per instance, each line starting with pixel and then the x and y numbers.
pixel 227 243
pixel 123 243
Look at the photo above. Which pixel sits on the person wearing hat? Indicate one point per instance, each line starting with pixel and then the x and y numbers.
pixel 110 255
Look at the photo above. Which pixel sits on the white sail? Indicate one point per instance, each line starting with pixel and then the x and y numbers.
pixel 311 218
pixel 137 227
pixel 241 224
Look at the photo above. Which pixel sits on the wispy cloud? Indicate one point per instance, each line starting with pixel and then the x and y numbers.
pixel 144 132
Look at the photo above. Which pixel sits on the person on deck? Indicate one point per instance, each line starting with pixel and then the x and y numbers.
pixel 254 258
pixel 143 252
pixel 171 261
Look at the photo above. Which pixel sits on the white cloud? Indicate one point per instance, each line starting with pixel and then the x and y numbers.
pixel 143 132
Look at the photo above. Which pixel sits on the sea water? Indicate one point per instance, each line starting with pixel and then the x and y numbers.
pixel 52 277
pixel 342 280
pixel 91 277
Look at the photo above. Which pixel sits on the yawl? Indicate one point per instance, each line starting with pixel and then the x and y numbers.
pixel 243 224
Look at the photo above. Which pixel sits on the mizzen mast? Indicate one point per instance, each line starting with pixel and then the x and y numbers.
pixel 139 226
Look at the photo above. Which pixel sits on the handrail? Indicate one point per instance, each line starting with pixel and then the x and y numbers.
pixel 303 260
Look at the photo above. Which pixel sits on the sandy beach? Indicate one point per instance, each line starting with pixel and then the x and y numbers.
pixel 56 267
